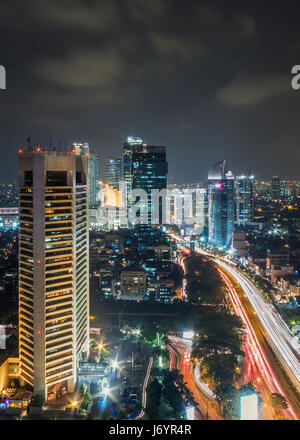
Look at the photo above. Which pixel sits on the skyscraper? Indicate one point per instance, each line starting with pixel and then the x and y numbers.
pixel 93 171
pixel 244 199
pixel 149 172
pixel 93 178
pixel 221 205
pixel 53 267
pixel 113 171
pixel 275 188
pixel 132 145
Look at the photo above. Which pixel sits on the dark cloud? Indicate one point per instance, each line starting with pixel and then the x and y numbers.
pixel 250 90
pixel 208 79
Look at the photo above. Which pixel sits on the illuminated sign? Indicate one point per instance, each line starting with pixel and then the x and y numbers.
pixel 188 334
pixel 134 140
pixel 249 407
pixel 160 364
pixel 190 413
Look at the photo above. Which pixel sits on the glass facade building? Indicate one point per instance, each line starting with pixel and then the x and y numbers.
pixel 244 199
pixel 113 171
pixel 149 172
pixel 132 145
pixel 221 205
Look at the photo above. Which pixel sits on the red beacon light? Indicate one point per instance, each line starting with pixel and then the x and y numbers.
pixel 20 151
pixel 38 149
pixel 73 150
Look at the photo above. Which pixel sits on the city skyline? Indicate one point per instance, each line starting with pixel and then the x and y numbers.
pixel 208 90
pixel 149 213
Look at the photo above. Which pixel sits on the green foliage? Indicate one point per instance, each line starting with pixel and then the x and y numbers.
pixel 219 369
pixel 154 393
pixel 219 333
pixel 176 393
pixel 204 283
pixel 115 333
pixel 278 402
pixel 38 400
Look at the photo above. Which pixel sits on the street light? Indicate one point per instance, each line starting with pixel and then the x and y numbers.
pixel 105 391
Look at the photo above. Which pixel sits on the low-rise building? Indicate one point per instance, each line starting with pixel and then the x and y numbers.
pixel 133 284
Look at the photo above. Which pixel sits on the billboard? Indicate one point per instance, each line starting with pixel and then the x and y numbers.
pixel 190 413
pixel 188 334
pixel 249 406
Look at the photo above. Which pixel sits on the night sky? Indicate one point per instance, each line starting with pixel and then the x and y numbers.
pixel 208 79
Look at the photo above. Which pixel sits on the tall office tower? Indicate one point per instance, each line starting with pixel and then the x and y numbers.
pixel 93 171
pixel 132 145
pixel 93 179
pixel 275 188
pixel 53 267
pixel 113 171
pixel 221 205
pixel 244 199
pixel 199 209
pixel 149 172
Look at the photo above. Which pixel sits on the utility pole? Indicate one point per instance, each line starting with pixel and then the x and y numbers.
pixel 206 409
pixel 132 361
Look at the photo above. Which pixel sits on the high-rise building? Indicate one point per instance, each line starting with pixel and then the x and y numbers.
pixel 93 171
pixel 113 171
pixel 53 267
pixel 93 179
pixel 221 205
pixel 149 172
pixel 244 199
pixel 132 145
pixel 275 188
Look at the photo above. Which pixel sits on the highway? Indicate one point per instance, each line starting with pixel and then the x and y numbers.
pixel 180 350
pixel 282 349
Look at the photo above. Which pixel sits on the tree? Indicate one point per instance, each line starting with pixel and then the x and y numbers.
pixel 219 333
pixel 38 400
pixel 115 332
pixel 149 331
pixel 154 392
pixel 278 402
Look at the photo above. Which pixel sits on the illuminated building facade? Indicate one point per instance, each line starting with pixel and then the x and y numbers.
pixel 275 188
pixel 93 171
pixel 149 172
pixel 113 171
pixel 53 267
pixel 93 178
pixel 244 199
pixel 132 145
pixel 221 205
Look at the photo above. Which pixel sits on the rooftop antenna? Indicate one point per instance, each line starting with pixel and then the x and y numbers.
pixel 51 141
pixel 29 146
pixel 249 169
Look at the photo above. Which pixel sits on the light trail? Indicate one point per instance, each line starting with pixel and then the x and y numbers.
pixel 144 393
pixel 277 334
pixel 285 346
